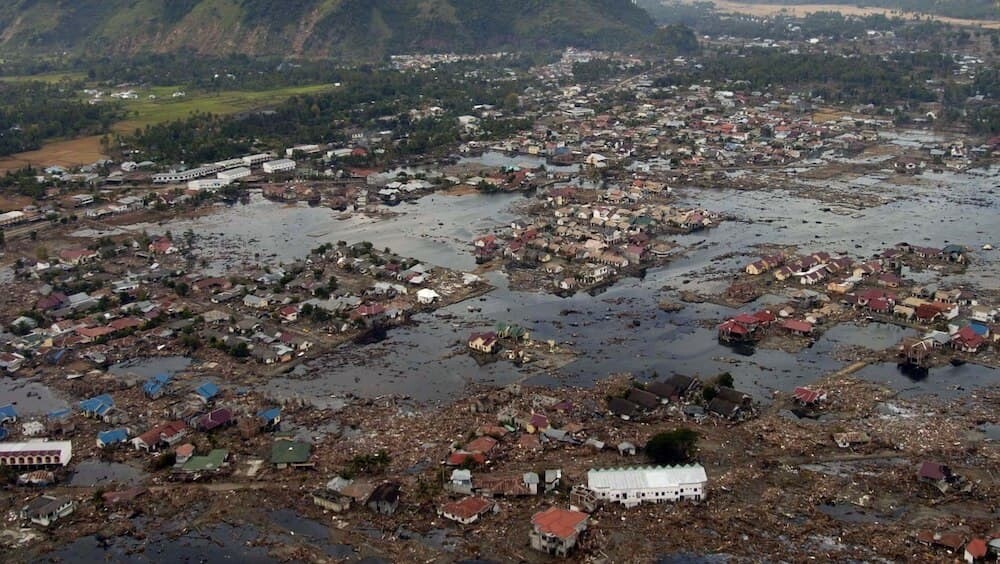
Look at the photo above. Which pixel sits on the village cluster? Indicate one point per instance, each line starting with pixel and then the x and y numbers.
pixel 559 470
pixel 876 289
pixel 581 239
pixel 125 295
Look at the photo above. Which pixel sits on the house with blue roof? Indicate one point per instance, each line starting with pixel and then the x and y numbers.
pixel 98 406
pixel 981 329
pixel 156 387
pixel 206 391
pixel 8 414
pixel 270 417
pixel 112 437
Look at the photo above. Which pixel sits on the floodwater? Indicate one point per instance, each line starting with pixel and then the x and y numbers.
pixel 306 531
pixel 30 397
pixel 438 229
pixel 947 382
pixel 871 336
pixel 850 513
pixel 146 368
pixel 223 542
pixel 94 473
pixel 498 159
pixel 427 361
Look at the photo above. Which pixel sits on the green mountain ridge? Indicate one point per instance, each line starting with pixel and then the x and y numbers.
pixel 315 28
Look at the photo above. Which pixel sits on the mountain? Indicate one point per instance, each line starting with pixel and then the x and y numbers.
pixel 315 28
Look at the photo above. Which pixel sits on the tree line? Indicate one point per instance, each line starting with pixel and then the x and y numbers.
pixel 34 112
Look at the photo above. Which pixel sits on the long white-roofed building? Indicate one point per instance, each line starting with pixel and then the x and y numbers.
pixel 648 484
pixel 36 453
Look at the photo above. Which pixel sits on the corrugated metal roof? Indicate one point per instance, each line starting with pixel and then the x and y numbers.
pixel 645 477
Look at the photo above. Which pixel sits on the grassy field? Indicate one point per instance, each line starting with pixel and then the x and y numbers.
pixel 79 151
pixel 147 111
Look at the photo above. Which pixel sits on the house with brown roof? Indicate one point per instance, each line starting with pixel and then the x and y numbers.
pixel 953 541
pixel 797 327
pixel 484 342
pixel 556 531
pixel 162 246
pixel 385 498
pixel 937 474
pixel 169 433
pixel 74 257
pixel 646 400
pixel 484 444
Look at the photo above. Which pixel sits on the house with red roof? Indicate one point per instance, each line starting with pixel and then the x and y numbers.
pixel 975 550
pixel 967 340
pixel 556 531
pixel 806 396
pixel 765 317
pixel 465 458
pixel 289 313
pixel 732 330
pixel 927 313
pixel 880 305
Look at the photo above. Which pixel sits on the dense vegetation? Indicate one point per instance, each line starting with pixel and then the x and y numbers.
pixel 672 447
pixel 866 79
pixel 702 17
pixel 372 99
pixel 357 28
pixel 33 112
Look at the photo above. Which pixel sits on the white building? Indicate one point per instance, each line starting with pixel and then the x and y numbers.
pixel 45 510
pixel 11 218
pixel 230 163
pixel 307 149
pixel 427 296
pixel 253 160
pixel 208 184
pixel 36 453
pixel 185 175
pixel 653 484
pixel 280 165
pixel 80 200
pixel 234 174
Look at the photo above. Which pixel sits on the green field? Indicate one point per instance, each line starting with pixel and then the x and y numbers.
pixel 146 111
